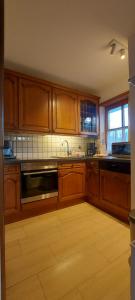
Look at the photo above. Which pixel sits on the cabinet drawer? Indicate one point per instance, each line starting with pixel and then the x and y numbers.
pixel 63 172
pixel 79 165
pixel 71 165
pixel 65 166
pixel 10 169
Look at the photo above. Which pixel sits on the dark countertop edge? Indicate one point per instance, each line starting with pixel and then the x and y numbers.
pixel 62 160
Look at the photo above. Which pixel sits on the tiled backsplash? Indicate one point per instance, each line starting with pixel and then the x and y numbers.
pixel 37 146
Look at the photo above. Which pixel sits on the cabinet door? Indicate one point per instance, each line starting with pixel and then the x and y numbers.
pixel 34 106
pixel 115 191
pixel 11 193
pixel 88 115
pixel 10 102
pixel 71 184
pixel 64 112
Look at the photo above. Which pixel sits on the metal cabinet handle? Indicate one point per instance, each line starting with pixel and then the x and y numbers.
pixel 41 172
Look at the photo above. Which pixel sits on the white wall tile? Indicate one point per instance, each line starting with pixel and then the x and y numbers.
pixel 35 146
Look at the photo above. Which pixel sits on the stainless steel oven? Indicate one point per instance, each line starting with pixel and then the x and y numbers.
pixel 38 181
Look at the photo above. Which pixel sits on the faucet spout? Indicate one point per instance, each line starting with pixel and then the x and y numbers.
pixel 68 151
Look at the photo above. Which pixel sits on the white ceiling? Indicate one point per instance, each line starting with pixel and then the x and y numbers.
pixel 65 40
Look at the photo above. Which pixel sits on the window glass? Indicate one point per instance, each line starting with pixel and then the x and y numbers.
pixel 115 118
pixel 126 115
pixel 110 139
pixel 125 134
pixel 117 126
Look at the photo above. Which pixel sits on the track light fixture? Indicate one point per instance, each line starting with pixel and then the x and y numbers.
pixel 117 48
pixel 113 48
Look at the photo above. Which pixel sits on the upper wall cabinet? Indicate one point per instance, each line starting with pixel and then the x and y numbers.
pixel 10 101
pixel 88 115
pixel 34 106
pixel 65 112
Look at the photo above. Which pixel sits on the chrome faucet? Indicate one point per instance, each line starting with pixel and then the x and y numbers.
pixel 68 151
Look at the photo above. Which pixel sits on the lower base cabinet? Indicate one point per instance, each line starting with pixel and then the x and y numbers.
pixel 115 193
pixel 110 191
pixel 71 182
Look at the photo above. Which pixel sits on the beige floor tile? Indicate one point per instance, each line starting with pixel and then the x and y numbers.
pixel 39 240
pixel 70 272
pixel 75 225
pixel 73 213
pixel 14 234
pixel 73 295
pixel 77 253
pixel 12 250
pixel 73 244
pixel 114 247
pixel 42 225
pixel 27 265
pixel 29 289
pixel 110 284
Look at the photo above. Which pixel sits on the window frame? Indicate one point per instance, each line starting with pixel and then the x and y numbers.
pixel 109 107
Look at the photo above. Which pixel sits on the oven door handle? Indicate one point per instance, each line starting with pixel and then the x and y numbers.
pixel 40 172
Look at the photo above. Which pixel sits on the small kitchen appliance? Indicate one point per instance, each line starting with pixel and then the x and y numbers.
pixel 8 151
pixel 122 149
pixel 91 149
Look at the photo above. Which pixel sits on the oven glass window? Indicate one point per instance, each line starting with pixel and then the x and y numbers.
pixel 34 184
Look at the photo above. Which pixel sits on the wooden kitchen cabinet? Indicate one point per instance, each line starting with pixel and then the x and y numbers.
pixel 34 106
pixel 10 101
pixel 71 182
pixel 11 189
pixel 65 112
pixel 92 182
pixel 115 193
pixel 88 115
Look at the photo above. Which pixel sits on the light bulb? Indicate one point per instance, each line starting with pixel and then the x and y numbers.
pixel 122 54
pixel 87 120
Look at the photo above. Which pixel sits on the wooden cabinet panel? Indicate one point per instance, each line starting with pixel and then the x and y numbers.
pixel 10 102
pixel 115 192
pixel 93 182
pixel 65 112
pixel 93 185
pixel 34 106
pixel 12 193
pixel 71 183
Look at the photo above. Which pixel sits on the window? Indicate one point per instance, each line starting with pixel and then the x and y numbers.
pixel 117 125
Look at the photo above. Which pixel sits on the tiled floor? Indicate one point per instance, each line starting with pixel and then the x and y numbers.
pixel 72 254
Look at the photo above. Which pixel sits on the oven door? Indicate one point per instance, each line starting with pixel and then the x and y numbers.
pixel 38 185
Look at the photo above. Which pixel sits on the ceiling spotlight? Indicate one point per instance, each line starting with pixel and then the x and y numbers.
pixel 122 53
pixel 113 48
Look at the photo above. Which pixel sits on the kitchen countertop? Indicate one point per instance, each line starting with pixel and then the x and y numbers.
pixel 67 159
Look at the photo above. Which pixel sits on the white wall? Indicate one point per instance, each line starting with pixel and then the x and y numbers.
pixel 114 89
pixel 132 116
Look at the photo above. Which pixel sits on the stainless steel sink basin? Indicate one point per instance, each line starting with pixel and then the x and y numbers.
pixel 59 157
pixel 67 157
